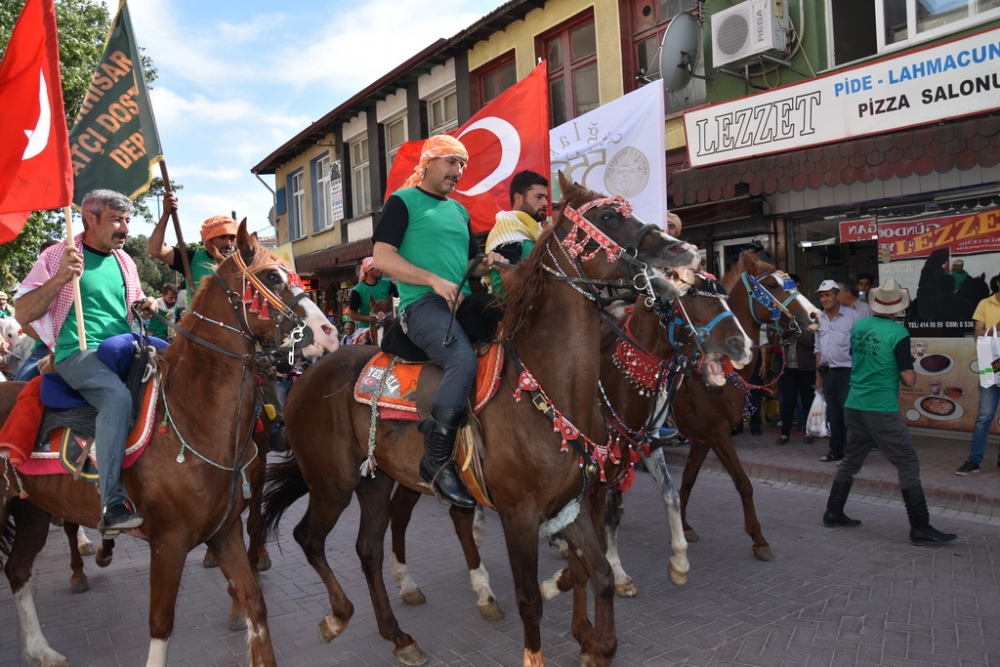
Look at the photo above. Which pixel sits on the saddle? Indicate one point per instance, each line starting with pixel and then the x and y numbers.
pixel 51 425
pixel 400 382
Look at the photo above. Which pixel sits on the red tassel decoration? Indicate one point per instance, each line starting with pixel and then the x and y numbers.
pixel 264 313
pixel 294 280
pixel 248 293
pixel 255 307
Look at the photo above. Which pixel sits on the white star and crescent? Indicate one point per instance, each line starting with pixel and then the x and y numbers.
pixel 38 138
pixel 510 152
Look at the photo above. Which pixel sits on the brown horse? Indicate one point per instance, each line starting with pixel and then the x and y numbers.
pixel 552 327
pixel 383 311
pixel 698 333
pixel 706 415
pixel 187 483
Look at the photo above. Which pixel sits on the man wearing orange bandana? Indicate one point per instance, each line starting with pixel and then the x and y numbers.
pixel 424 242
pixel 218 233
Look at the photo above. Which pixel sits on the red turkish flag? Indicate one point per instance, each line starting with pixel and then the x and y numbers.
pixel 35 172
pixel 508 135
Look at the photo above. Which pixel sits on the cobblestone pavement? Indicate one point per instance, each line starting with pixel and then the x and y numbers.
pixel 863 596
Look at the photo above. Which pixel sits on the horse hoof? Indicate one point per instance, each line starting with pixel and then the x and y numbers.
pixel 330 627
pixel 237 620
pixel 86 549
pixel 101 559
pixel 414 596
pixel 209 560
pixel 763 554
pixel 533 659
pixel 491 611
pixel 626 589
pixel 691 536
pixel 590 660
pixel 676 576
pixel 264 564
pixel 79 585
pixel 411 655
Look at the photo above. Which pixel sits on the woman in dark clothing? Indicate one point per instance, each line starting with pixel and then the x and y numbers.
pixel 796 381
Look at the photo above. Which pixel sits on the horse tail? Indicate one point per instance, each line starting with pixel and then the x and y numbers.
pixel 7 533
pixel 283 485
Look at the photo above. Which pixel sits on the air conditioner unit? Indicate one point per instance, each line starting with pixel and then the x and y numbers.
pixel 749 29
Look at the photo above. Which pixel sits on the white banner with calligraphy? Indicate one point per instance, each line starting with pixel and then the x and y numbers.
pixel 958 78
pixel 619 149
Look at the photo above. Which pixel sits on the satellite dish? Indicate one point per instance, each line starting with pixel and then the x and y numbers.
pixel 679 51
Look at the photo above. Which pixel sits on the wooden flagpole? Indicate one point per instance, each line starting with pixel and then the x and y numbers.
pixel 185 260
pixel 77 301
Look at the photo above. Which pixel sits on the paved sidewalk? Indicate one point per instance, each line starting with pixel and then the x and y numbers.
pixel 850 596
pixel 940 455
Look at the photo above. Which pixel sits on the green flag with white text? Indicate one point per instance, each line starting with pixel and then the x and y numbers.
pixel 114 143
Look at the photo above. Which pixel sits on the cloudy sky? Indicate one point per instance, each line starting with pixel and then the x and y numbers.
pixel 238 78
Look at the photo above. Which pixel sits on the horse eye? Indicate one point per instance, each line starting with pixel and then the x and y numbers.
pixel 274 278
pixel 606 216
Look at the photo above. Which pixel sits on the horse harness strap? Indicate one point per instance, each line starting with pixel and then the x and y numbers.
pixel 592 456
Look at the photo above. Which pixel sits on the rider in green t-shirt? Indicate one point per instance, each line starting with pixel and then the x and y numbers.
pixel 424 241
pixel 169 309
pixel 371 285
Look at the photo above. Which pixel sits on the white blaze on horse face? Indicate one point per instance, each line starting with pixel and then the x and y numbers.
pixel 747 345
pixel 812 312
pixel 324 334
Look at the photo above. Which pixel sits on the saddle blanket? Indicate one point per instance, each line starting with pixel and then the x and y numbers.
pixel 398 399
pixel 60 451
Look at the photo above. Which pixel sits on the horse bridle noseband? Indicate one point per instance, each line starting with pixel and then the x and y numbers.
pixel 760 297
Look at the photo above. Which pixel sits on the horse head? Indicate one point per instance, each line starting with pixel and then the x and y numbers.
pixel 271 301
pixel 703 327
pixel 381 310
pixel 772 294
pixel 591 224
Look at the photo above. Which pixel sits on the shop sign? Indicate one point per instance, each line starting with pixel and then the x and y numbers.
pixel 858 230
pixel 337 191
pixel 951 80
pixel 960 234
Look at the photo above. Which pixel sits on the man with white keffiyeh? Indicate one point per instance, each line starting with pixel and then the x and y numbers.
pixel 109 286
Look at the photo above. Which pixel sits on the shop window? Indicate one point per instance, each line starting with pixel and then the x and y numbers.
pixel 297 210
pixel 395 136
pixel 443 113
pixel 571 52
pixel 863 28
pixel 361 184
pixel 322 213
pixel 493 79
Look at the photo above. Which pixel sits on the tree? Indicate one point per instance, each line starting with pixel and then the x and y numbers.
pixel 152 272
pixel 83 28
pixel 155 191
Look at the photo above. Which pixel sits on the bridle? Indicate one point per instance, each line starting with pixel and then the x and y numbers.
pixel 761 298
pixel 584 241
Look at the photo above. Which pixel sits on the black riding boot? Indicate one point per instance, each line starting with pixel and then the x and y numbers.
pixel 436 466
pixel 834 515
pixel 921 531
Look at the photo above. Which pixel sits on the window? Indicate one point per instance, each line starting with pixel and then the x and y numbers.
pixel 361 177
pixel 443 113
pixel 649 19
pixel 322 214
pixel 863 28
pixel 297 211
pixel 495 78
pixel 395 135
pixel 572 56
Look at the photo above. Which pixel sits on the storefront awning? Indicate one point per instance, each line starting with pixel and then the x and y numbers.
pixel 962 144
pixel 328 258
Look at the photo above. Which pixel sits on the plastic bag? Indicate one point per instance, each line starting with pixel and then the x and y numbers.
pixel 988 357
pixel 816 422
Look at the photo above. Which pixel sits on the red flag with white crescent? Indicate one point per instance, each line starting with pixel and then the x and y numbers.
pixel 35 171
pixel 508 135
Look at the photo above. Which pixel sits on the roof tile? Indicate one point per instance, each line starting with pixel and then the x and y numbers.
pixel 785 183
pixel 831 178
pixel 966 160
pixel 883 142
pixel 816 180
pixel 934 148
pixel 944 163
pixel 904 168
pixel 988 126
pixel 989 157
pixel 800 182
pixel 849 175
pixel 913 151
pixel 875 158
pixel 924 165
pixel 885 171
pixel 867 173
pixel 944 133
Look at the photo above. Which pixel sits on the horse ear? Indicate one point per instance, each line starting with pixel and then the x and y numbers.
pixel 564 184
pixel 246 243
pixel 371 301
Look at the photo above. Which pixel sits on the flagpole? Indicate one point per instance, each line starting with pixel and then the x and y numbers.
pixel 185 260
pixel 77 301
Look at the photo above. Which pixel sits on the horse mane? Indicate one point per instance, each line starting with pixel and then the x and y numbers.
pixel 526 286
pixel 750 262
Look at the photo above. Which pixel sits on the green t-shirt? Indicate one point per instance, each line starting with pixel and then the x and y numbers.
pixel 158 328
pixel 877 363
pixel 437 238
pixel 379 291
pixel 102 290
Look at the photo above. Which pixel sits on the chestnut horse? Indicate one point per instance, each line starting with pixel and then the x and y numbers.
pixel 383 312
pixel 707 415
pixel 187 483
pixel 552 328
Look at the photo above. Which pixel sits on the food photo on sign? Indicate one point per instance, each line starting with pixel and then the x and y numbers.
pixel 944 263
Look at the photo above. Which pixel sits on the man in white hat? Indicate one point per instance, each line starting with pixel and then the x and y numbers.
pixel 881 351
pixel 6 310
pixel 833 362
